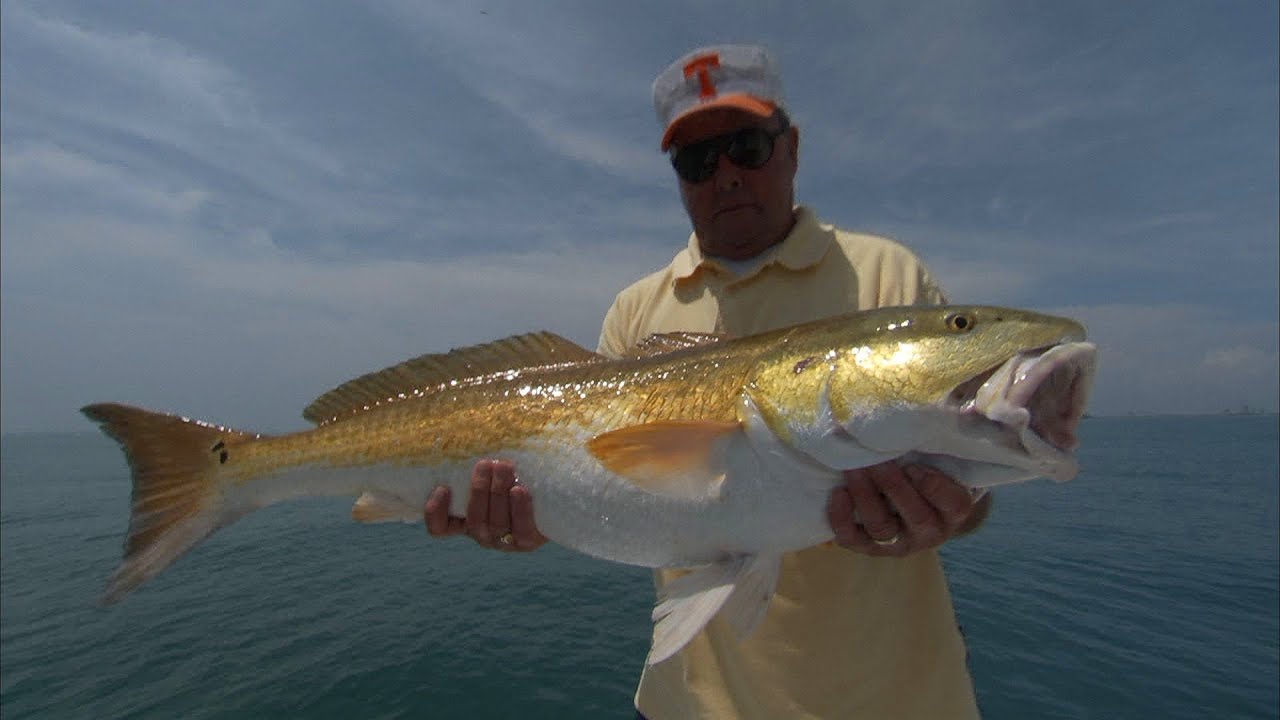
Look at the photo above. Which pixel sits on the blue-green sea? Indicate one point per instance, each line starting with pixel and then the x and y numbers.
pixel 1148 587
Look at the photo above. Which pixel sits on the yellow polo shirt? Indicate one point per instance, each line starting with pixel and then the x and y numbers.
pixel 847 635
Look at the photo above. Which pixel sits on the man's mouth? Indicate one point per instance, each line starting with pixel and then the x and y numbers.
pixel 735 208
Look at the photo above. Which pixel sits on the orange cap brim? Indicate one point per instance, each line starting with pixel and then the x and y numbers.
pixel 748 103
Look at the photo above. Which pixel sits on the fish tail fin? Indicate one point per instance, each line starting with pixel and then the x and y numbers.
pixel 177 498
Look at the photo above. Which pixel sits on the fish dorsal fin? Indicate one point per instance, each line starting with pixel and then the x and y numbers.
pixel 661 343
pixel 463 366
pixel 676 458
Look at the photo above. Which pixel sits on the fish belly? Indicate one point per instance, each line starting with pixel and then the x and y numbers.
pixel 581 505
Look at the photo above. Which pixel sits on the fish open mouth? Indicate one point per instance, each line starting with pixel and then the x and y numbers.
pixel 1054 386
pixel 1035 400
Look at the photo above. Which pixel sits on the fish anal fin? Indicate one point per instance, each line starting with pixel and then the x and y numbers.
pixel 375 506
pixel 432 372
pixel 668 457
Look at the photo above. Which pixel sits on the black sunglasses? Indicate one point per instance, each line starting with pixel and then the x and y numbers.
pixel 749 148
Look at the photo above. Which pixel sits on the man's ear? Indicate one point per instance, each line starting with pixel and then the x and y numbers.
pixel 793 143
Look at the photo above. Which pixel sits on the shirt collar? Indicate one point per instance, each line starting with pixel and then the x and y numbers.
pixel 803 247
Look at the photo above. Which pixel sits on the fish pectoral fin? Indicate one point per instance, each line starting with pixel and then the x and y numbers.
pixel 741 586
pixel 677 458
pixel 375 506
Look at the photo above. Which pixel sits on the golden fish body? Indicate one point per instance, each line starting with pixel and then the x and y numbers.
pixel 696 451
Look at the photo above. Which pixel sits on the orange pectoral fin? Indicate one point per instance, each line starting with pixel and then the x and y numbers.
pixel 671 457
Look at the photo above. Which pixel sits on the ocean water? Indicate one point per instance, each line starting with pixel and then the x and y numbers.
pixel 1149 587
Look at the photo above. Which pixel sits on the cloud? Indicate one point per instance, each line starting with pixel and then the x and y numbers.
pixel 134 89
pixel 247 332
pixel 616 153
pixel 1242 360
pixel 556 90
pixel 144 64
pixel 59 170
pixel 201 220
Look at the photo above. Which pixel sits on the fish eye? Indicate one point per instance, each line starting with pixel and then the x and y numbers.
pixel 959 322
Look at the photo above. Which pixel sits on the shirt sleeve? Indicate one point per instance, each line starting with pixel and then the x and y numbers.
pixel 613 342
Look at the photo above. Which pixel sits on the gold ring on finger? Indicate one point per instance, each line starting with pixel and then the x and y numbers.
pixel 890 542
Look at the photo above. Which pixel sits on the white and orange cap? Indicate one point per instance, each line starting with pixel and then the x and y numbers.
pixel 736 76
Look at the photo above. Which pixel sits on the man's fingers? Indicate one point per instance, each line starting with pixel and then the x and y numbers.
pixel 874 513
pixel 861 541
pixel 919 520
pixel 497 505
pixel 915 507
pixel 840 516
pixel 850 534
pixel 436 514
pixel 504 477
pixel 478 503
pixel 523 529
pixel 951 500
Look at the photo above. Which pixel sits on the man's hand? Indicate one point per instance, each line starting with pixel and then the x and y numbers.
pixel 499 510
pixel 891 511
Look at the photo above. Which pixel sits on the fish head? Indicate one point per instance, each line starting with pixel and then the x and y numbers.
pixel 994 386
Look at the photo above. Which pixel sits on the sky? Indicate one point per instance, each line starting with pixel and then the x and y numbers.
pixel 224 209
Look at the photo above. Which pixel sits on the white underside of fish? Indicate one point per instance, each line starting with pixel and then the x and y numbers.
pixel 757 496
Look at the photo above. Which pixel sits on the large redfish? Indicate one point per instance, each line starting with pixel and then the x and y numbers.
pixel 696 451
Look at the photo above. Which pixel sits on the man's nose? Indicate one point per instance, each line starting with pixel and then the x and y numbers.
pixel 728 176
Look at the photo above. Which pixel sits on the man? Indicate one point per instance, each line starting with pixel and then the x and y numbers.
pixel 860 628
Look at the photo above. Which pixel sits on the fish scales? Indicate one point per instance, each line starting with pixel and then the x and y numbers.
pixel 505 412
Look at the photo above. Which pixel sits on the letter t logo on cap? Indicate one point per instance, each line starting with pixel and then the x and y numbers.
pixel 703 65
pixel 733 76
